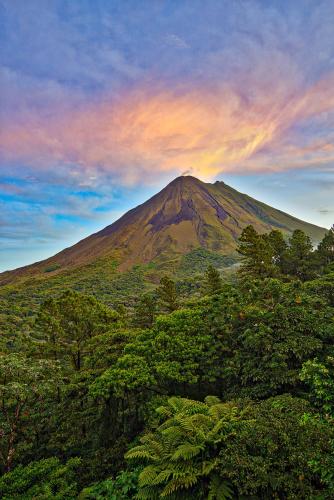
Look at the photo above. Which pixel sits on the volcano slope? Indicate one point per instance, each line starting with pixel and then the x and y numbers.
pixel 186 215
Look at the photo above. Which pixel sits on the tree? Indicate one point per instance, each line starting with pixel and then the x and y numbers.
pixel 279 247
pixel 246 449
pixel 145 311
pixel 267 333
pixel 257 253
pixel 299 255
pixel 269 454
pixel 213 282
pixel 168 294
pixel 24 384
pixel 319 376
pixel 326 248
pixel 42 480
pixel 69 322
pixel 177 455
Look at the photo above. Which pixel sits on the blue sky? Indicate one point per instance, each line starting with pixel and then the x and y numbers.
pixel 104 102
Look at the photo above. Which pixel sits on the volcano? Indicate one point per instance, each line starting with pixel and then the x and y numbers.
pixel 187 214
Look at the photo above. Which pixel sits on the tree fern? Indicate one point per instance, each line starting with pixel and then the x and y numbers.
pixel 181 456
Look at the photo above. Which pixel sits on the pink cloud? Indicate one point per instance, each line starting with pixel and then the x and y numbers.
pixel 151 130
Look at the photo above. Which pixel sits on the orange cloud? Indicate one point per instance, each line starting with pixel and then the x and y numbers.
pixel 148 130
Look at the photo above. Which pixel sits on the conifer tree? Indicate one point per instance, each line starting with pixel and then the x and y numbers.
pixel 326 248
pixel 145 311
pixel 299 255
pixel 279 248
pixel 168 294
pixel 213 282
pixel 257 252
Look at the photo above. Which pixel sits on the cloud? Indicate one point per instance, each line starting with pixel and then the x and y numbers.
pixel 151 129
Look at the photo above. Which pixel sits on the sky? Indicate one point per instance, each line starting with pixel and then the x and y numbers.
pixel 104 102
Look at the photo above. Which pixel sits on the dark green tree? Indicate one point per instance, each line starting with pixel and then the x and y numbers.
pixel 326 248
pixel 42 480
pixel 279 247
pixel 168 294
pixel 258 256
pixel 212 282
pixel 123 487
pixel 216 450
pixel 69 322
pixel 24 385
pixel 145 311
pixel 299 255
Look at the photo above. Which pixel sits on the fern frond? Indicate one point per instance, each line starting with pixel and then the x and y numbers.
pixel 219 489
pixel 139 452
pixel 147 493
pixel 147 476
pixel 181 483
pixel 212 400
pixel 163 476
pixel 186 451
pixel 208 467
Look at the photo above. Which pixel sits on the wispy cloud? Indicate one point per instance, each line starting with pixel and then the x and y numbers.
pixel 151 129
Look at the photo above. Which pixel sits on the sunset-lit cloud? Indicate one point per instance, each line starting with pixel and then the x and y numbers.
pixel 150 129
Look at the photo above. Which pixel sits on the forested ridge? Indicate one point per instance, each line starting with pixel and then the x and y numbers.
pixel 209 386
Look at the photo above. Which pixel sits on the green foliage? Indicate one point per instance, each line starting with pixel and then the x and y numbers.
pixel 320 377
pixel 299 254
pixel 323 287
pixel 326 248
pixel 53 267
pixel 271 455
pixel 82 375
pixel 24 384
pixel 271 330
pixel 198 260
pixel 168 294
pixel 213 282
pixel 124 487
pixel 130 373
pixel 145 311
pixel 269 255
pixel 177 454
pixel 46 479
pixel 258 255
pixel 225 450
pixel 69 322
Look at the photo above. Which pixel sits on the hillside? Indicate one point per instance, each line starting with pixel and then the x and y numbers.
pixel 186 215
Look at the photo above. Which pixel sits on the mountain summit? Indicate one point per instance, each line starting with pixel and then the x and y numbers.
pixel 185 215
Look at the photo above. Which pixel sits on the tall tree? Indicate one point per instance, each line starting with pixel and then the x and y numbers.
pixel 145 311
pixel 24 384
pixel 279 248
pixel 326 248
pixel 257 253
pixel 69 322
pixel 168 294
pixel 299 255
pixel 213 282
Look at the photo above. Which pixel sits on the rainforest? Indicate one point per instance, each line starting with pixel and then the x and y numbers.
pixel 205 384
